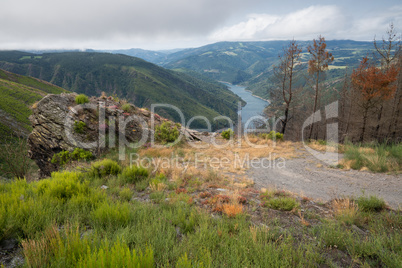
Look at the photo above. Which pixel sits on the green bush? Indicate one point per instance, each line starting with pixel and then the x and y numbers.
pixel 79 127
pixel 227 134
pixel 272 135
pixel 126 107
pixel 282 203
pixel 81 99
pixel 370 204
pixel 65 157
pixel 166 132
pixel 126 194
pixel 134 174
pixel 104 168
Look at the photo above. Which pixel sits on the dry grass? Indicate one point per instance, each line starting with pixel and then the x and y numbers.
pixel 345 209
pixel 232 210
pixel 213 165
pixel 323 147
pixel 157 187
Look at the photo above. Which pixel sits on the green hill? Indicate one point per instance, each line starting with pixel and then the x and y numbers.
pixel 134 79
pixel 17 94
pixel 250 63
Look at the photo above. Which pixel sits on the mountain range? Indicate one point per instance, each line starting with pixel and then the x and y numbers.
pixel 140 82
pixel 250 63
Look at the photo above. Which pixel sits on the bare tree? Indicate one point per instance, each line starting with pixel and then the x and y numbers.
pixel 285 73
pixel 317 65
pixel 388 50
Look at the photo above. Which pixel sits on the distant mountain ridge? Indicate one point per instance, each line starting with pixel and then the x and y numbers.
pixel 250 63
pixel 137 80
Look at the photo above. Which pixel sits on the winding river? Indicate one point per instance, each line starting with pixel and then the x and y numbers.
pixel 254 106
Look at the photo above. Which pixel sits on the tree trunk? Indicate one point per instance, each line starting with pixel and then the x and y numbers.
pixel 286 119
pixel 364 124
pixel 315 104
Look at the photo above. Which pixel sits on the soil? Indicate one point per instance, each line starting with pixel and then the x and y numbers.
pixel 308 176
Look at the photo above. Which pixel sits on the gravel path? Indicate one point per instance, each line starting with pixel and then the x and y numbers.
pixel 309 177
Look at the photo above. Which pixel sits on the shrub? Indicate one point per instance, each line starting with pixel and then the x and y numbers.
pixel 65 157
pixel 126 107
pixel 79 127
pixel 81 99
pixel 166 132
pixel 370 204
pixel 104 168
pixel 272 135
pixel 68 249
pixel 126 194
pixel 282 203
pixel 111 216
pixel 227 134
pixel 232 210
pixel 134 174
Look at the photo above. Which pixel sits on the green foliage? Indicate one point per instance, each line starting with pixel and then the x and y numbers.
pixel 126 107
pixel 376 157
pixel 111 216
pixel 67 221
pixel 370 204
pixel 126 194
pixel 134 174
pixel 79 127
pixel 272 135
pixel 65 157
pixel 282 203
pixel 81 99
pixel 166 132
pixel 103 168
pixel 68 249
pixel 227 134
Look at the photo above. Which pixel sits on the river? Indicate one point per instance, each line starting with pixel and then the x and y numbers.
pixel 254 106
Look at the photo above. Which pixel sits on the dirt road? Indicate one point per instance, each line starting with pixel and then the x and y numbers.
pixel 310 177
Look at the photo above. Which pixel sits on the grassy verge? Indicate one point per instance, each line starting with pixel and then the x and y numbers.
pixel 374 157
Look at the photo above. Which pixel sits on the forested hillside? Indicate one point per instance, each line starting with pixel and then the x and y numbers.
pixel 250 63
pixel 134 79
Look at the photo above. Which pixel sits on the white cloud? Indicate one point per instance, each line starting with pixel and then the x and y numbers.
pixel 302 24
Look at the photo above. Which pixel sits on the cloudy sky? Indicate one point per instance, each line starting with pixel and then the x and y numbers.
pixel 166 24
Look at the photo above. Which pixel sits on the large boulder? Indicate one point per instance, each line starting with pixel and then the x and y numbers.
pixel 59 124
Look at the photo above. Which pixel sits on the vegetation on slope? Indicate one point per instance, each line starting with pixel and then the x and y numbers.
pixel 164 217
pixel 17 94
pixel 140 82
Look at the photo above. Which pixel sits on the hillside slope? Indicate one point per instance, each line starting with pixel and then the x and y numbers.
pixel 250 63
pixel 17 94
pixel 140 82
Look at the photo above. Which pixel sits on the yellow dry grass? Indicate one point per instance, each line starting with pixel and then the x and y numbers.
pixel 219 165
pixel 333 148
pixel 344 207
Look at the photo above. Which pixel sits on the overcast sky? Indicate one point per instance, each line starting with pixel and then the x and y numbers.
pixel 166 24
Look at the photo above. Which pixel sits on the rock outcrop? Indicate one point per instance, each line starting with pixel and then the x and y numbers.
pixel 59 124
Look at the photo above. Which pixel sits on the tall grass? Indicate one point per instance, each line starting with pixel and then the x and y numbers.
pixel 68 221
pixel 375 157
